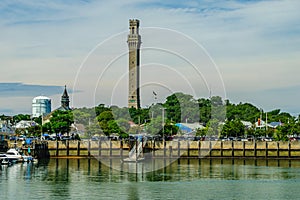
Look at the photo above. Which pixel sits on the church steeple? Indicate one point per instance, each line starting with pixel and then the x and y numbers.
pixel 65 100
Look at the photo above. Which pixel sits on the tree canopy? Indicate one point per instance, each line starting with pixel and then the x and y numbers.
pixel 220 117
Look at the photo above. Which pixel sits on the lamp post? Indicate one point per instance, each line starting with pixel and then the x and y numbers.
pixel 163 122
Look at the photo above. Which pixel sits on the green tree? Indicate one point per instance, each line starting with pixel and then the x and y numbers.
pixel 182 107
pixel 202 132
pixel 123 125
pixel 20 117
pixel 218 109
pixel 214 127
pixel 83 116
pixel 205 110
pixel 105 116
pixel 282 132
pixel 155 126
pixel 61 121
pixel 233 128
pixel 93 128
pixel 170 129
pixel 47 128
pixel 101 108
pixel 104 119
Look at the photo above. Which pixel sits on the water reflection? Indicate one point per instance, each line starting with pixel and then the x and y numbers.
pixel 62 170
pixel 89 178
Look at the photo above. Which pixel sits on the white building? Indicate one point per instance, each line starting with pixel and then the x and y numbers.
pixel 41 105
pixel 25 124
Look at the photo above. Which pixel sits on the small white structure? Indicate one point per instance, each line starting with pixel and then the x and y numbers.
pixel 247 124
pixel 25 124
pixel 189 127
pixel 41 105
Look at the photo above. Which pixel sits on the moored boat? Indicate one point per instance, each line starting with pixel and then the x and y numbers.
pixel 6 161
pixel 29 159
pixel 14 155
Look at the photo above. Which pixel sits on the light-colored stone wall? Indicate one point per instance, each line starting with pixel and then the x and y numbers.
pixel 171 148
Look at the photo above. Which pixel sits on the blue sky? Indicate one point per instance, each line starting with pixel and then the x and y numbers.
pixel 249 51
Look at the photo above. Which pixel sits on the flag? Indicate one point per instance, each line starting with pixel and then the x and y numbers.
pixel 154 93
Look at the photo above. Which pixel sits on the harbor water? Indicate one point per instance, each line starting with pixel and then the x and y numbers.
pixel 180 179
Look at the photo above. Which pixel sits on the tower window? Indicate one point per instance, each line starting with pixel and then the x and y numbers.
pixel 132 30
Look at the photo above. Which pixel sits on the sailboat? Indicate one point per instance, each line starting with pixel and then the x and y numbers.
pixel 135 155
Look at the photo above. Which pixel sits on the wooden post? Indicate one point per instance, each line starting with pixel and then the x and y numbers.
pixel 278 149
pixel 221 149
pixel 164 141
pixel 89 148
pixel 143 150
pixel 188 148
pixel 199 148
pixel 210 148
pixel 266 150
pixel 136 146
pixel 289 149
pixel 121 148
pixel 244 146
pixel 57 148
pixel 178 149
pixel 255 153
pixel 99 147
pixel 232 149
pixel 110 148
pixel 153 149
pixel 67 143
pixel 78 148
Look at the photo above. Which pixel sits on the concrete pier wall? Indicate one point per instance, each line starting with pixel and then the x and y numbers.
pixel 172 149
pixel 178 149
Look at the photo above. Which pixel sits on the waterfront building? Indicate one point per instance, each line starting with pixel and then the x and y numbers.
pixel 134 43
pixel 41 105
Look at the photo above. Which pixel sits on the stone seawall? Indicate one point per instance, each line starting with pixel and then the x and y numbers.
pixel 173 149
pixel 195 149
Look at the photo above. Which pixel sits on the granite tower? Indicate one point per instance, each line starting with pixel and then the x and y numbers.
pixel 134 43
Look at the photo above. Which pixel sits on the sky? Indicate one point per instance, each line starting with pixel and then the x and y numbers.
pixel 241 50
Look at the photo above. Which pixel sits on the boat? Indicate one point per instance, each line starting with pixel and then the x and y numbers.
pixel 135 155
pixel 29 159
pixel 14 155
pixel 6 161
